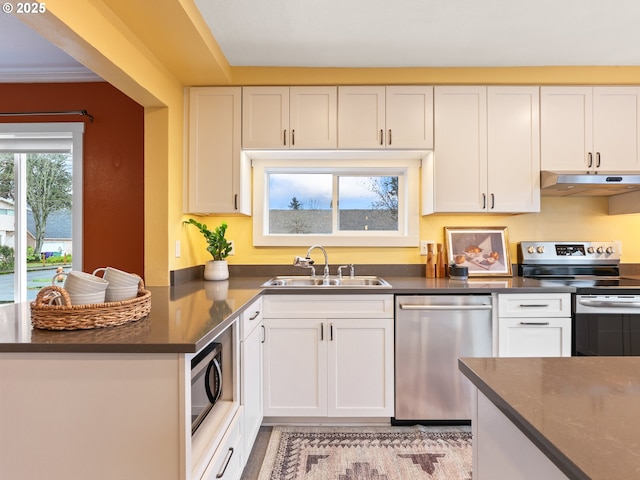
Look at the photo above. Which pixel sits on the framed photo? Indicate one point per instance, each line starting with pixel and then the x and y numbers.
pixel 484 251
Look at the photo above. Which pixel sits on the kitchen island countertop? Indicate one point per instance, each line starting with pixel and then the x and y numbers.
pixel 186 317
pixel 581 412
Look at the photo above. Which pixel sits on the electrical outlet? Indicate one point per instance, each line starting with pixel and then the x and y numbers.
pixel 233 251
pixel 423 246
pixel 177 248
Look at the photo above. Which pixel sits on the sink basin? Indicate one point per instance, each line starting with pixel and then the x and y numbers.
pixel 334 282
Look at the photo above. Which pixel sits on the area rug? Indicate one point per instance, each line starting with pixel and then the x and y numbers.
pixel 368 453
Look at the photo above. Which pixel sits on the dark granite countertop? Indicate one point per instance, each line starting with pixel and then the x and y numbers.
pixel 186 317
pixel 581 412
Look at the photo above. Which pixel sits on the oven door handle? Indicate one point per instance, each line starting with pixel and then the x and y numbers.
pixel 605 303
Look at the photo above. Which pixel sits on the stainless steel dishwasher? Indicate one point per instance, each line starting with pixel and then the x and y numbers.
pixel 431 332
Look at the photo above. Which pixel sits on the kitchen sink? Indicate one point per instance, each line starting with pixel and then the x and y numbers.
pixel 333 282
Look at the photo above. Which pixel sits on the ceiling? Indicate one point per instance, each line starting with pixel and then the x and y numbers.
pixel 25 56
pixel 425 33
pixel 378 33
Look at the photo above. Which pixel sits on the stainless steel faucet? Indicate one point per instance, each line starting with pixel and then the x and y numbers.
pixel 306 262
pixel 352 271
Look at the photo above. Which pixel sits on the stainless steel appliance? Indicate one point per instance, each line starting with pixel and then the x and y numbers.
pixel 431 332
pixel 206 382
pixel 606 317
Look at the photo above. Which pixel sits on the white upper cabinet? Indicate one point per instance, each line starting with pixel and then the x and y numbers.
pixel 590 129
pixel 409 114
pixel 378 117
pixel 361 117
pixel 265 117
pixel 218 180
pixel 289 117
pixel 486 149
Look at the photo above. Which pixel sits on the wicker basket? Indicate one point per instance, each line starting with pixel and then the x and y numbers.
pixel 82 317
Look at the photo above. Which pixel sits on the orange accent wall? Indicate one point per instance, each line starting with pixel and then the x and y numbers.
pixel 113 167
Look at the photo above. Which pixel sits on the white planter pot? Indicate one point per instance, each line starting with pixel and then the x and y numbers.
pixel 216 270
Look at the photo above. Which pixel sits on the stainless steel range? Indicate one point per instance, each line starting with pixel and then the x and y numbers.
pixel 606 318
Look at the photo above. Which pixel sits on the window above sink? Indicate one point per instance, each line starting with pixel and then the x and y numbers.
pixel 353 201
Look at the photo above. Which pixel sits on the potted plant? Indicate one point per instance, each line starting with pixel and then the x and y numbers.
pixel 219 248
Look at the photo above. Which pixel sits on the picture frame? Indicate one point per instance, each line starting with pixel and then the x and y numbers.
pixel 483 250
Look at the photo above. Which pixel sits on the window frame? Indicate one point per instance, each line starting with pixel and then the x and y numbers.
pixel 404 164
pixel 50 137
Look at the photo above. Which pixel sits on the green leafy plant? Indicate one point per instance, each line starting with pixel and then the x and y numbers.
pixel 219 247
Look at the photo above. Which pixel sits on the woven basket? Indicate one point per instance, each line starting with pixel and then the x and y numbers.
pixel 82 317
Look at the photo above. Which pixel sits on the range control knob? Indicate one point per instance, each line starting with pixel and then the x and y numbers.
pixel 609 250
pixel 591 250
pixel 540 249
pixel 600 249
pixel 530 249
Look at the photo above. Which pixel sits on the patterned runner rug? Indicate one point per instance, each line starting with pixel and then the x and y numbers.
pixel 368 453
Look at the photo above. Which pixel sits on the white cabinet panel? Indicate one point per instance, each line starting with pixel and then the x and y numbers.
pixel 216 176
pixel 360 368
pixel 595 129
pixel 289 117
pixel 378 117
pixel 313 117
pixel 265 117
pixel 409 116
pixel 337 365
pixel 251 372
pixel 295 368
pixel 534 325
pixel 544 337
pixel 460 143
pixel 361 114
pixel 487 156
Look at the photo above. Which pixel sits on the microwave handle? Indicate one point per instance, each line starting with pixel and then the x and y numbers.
pixel 213 396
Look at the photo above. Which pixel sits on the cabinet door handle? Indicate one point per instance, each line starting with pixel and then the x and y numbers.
pixel 534 305
pixel 284 137
pixel 493 201
pixel 235 201
pixel 322 332
pixel 389 136
pixel 255 315
pixel 331 332
pixel 597 159
pixel 534 323
pixel 293 137
pixel 264 334
pixel 484 201
pixel 226 464
pixel 590 157
pixel 381 137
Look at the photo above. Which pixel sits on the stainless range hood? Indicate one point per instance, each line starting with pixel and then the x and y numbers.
pixel 587 185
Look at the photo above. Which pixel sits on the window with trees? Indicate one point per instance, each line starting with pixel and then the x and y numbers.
pixel 40 188
pixel 367 203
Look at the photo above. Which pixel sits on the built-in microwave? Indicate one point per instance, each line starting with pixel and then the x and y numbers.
pixel 206 382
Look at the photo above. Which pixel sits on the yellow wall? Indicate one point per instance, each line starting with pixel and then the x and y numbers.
pixel 129 46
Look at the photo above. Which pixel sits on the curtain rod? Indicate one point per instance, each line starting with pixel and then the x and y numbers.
pixel 28 114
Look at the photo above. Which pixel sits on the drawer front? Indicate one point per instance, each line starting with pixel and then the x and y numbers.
pixel 328 306
pixel 227 463
pixel 534 305
pixel 251 318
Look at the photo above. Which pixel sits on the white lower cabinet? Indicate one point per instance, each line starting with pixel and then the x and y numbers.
pixel 534 325
pixel 228 461
pixel 251 372
pixel 328 356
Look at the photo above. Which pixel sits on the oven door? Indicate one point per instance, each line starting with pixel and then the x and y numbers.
pixel 607 325
pixel 206 382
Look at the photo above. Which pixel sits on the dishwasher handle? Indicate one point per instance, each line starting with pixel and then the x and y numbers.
pixel 407 306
